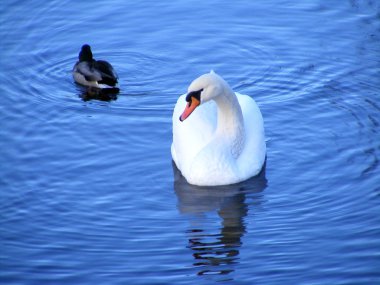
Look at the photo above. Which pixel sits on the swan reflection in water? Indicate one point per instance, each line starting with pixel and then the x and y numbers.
pixel 215 244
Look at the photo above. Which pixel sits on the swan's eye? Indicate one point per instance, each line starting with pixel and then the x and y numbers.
pixel 195 94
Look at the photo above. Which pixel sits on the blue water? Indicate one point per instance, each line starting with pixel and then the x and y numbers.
pixel 89 194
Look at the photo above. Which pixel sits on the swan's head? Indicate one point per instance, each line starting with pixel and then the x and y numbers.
pixel 205 88
pixel 85 53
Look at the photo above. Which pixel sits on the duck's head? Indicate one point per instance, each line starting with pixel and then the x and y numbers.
pixel 205 88
pixel 85 53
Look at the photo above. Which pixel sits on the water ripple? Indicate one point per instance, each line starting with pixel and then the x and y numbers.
pixel 88 192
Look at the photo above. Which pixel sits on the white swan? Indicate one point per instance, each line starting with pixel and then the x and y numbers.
pixel 223 141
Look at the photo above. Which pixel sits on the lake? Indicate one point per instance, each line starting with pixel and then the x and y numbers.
pixel 89 193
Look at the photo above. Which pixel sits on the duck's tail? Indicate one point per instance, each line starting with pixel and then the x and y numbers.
pixel 105 86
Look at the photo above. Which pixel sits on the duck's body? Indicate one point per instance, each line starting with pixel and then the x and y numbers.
pixel 94 73
pixel 223 141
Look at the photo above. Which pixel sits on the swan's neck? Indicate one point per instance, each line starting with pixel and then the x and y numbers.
pixel 230 122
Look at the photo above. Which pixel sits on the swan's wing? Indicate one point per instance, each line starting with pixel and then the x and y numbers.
pixel 253 156
pixel 191 135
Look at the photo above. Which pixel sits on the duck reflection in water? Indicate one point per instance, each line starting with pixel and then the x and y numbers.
pixel 215 246
pixel 101 94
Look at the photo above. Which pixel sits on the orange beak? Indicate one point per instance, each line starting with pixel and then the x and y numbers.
pixel 190 107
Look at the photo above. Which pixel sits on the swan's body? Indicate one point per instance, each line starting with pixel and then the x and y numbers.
pixel 223 141
pixel 94 73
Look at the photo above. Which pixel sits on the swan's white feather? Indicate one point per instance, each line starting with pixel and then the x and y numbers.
pixel 205 159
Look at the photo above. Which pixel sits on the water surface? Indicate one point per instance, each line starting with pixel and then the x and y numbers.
pixel 88 190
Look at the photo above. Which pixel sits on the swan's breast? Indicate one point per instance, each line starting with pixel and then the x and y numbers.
pixel 213 165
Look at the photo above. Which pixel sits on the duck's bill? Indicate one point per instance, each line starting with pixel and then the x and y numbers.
pixel 190 107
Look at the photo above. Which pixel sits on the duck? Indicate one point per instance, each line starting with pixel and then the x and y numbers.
pixel 218 134
pixel 94 73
